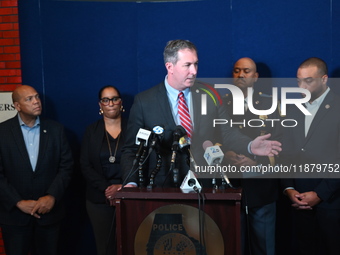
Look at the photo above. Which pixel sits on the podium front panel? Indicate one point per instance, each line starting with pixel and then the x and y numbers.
pixel 168 221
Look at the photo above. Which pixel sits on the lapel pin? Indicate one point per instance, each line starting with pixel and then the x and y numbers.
pixel 327 106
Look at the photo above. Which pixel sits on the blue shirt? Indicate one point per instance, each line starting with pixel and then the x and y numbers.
pixel 31 138
pixel 173 100
pixel 313 109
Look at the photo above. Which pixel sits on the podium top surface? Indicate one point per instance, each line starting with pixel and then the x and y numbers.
pixel 177 193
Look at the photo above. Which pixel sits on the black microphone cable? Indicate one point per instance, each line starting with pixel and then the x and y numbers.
pixel 155 171
pixel 201 216
pixel 132 170
pixel 140 168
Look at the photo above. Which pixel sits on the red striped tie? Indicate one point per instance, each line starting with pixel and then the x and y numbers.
pixel 184 115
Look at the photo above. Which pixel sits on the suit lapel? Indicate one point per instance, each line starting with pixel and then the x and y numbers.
pixel 196 105
pixel 164 106
pixel 299 130
pixel 42 143
pixel 321 113
pixel 19 140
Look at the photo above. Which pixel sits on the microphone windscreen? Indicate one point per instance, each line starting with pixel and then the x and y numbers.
pixel 158 130
pixel 207 144
pixel 180 131
pixel 183 142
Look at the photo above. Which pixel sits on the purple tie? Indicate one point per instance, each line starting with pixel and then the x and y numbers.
pixel 184 116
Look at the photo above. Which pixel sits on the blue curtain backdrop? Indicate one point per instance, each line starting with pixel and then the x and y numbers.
pixel 72 48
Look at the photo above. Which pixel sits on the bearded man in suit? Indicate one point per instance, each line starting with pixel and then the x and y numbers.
pixel 315 141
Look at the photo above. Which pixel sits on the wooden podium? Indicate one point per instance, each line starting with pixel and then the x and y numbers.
pixel 135 212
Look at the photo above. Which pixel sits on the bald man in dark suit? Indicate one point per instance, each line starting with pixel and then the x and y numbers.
pixel 35 169
pixel 259 195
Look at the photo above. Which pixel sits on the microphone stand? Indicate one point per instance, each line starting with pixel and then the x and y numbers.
pixel 155 171
pixel 223 184
pixel 225 181
pixel 175 176
pixel 213 182
pixel 140 168
pixel 173 169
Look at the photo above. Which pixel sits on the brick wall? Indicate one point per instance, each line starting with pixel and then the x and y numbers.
pixel 10 67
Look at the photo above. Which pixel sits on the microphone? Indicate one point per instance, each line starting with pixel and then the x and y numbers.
pixel 157 136
pixel 190 183
pixel 142 138
pixel 157 133
pixel 214 156
pixel 184 145
pixel 178 133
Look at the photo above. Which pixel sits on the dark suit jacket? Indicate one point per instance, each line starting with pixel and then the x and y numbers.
pixel 321 146
pixel 257 192
pixel 17 179
pixel 91 163
pixel 151 108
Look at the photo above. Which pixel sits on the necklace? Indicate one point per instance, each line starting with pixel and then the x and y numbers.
pixel 112 159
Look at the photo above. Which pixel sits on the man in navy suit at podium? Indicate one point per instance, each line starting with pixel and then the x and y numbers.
pixel 159 106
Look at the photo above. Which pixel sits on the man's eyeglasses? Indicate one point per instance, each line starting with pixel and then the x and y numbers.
pixel 106 101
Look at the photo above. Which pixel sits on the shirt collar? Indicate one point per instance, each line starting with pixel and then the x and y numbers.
pixel 246 98
pixel 173 93
pixel 37 122
pixel 319 100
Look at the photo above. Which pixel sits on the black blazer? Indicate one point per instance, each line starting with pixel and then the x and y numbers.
pixel 90 161
pixel 152 108
pixel 17 179
pixel 260 191
pixel 321 146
